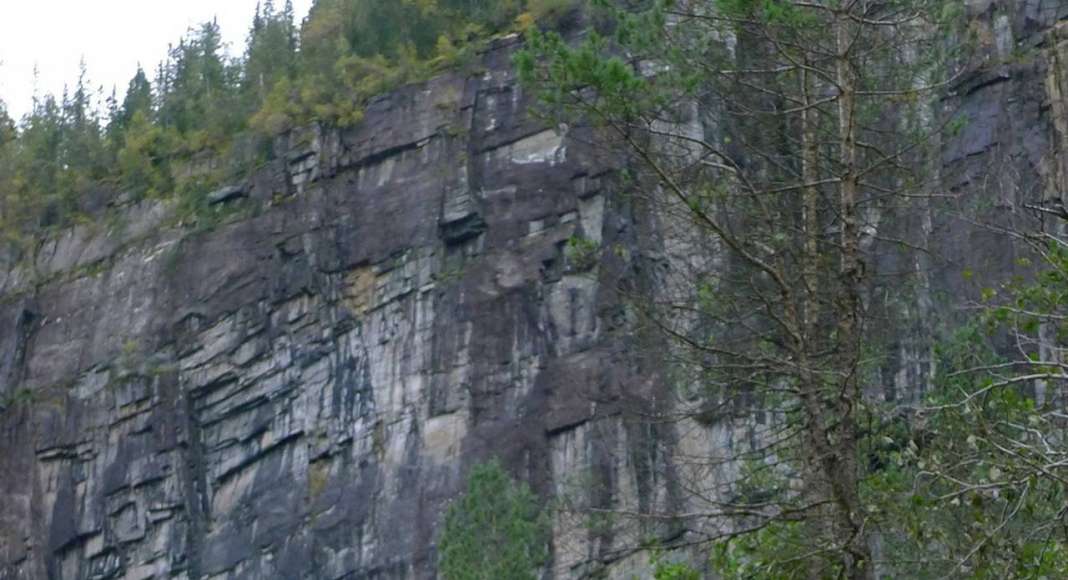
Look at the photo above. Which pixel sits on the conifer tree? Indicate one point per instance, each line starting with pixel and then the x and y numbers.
pixel 270 55
pixel 197 87
pixel 138 99
pixel 7 126
pixel 83 152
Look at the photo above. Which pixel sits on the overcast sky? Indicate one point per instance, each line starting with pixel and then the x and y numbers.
pixel 112 35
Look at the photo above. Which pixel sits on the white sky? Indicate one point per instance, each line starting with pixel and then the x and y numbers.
pixel 112 35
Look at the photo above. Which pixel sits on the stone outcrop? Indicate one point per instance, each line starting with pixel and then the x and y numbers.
pixel 297 391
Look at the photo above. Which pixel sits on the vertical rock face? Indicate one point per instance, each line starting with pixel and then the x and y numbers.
pixel 1008 152
pixel 297 393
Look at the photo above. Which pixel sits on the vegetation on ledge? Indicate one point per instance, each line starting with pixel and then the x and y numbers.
pixel 201 118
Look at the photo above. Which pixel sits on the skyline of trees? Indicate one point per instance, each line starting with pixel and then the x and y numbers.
pixel 198 100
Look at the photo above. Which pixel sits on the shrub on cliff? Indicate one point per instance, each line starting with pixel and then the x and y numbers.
pixel 495 530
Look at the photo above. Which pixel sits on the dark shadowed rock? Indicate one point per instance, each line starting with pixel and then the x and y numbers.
pixel 228 193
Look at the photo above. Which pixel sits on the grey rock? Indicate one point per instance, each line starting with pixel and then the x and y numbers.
pixel 227 194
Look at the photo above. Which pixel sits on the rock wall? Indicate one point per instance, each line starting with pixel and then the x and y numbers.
pixel 1007 154
pixel 297 391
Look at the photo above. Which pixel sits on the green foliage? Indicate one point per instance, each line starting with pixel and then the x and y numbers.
pixel 495 530
pixel 668 570
pixel 138 100
pixel 1031 303
pixel 621 92
pixel 743 116
pixel 57 153
pixel 582 253
pixel 7 126
pixel 370 28
pixel 352 50
pixel 144 157
pixel 202 104
pixel 271 53
pixel 198 92
pixel 780 550
pixel 675 571
pixel 956 489
pixel 974 485
pixel 779 12
pixel 548 12
pixel 17 398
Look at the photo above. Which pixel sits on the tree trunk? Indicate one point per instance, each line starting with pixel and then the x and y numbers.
pixel 844 476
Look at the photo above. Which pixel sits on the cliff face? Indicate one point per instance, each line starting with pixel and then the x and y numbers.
pixel 298 391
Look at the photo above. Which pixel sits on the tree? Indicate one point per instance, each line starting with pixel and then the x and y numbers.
pixel 197 89
pixel 144 157
pixel 495 530
pixel 271 53
pixel 770 138
pixel 974 480
pixel 8 135
pixel 37 161
pixel 7 126
pixel 138 99
pixel 84 156
pixel 199 104
pixel 984 467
